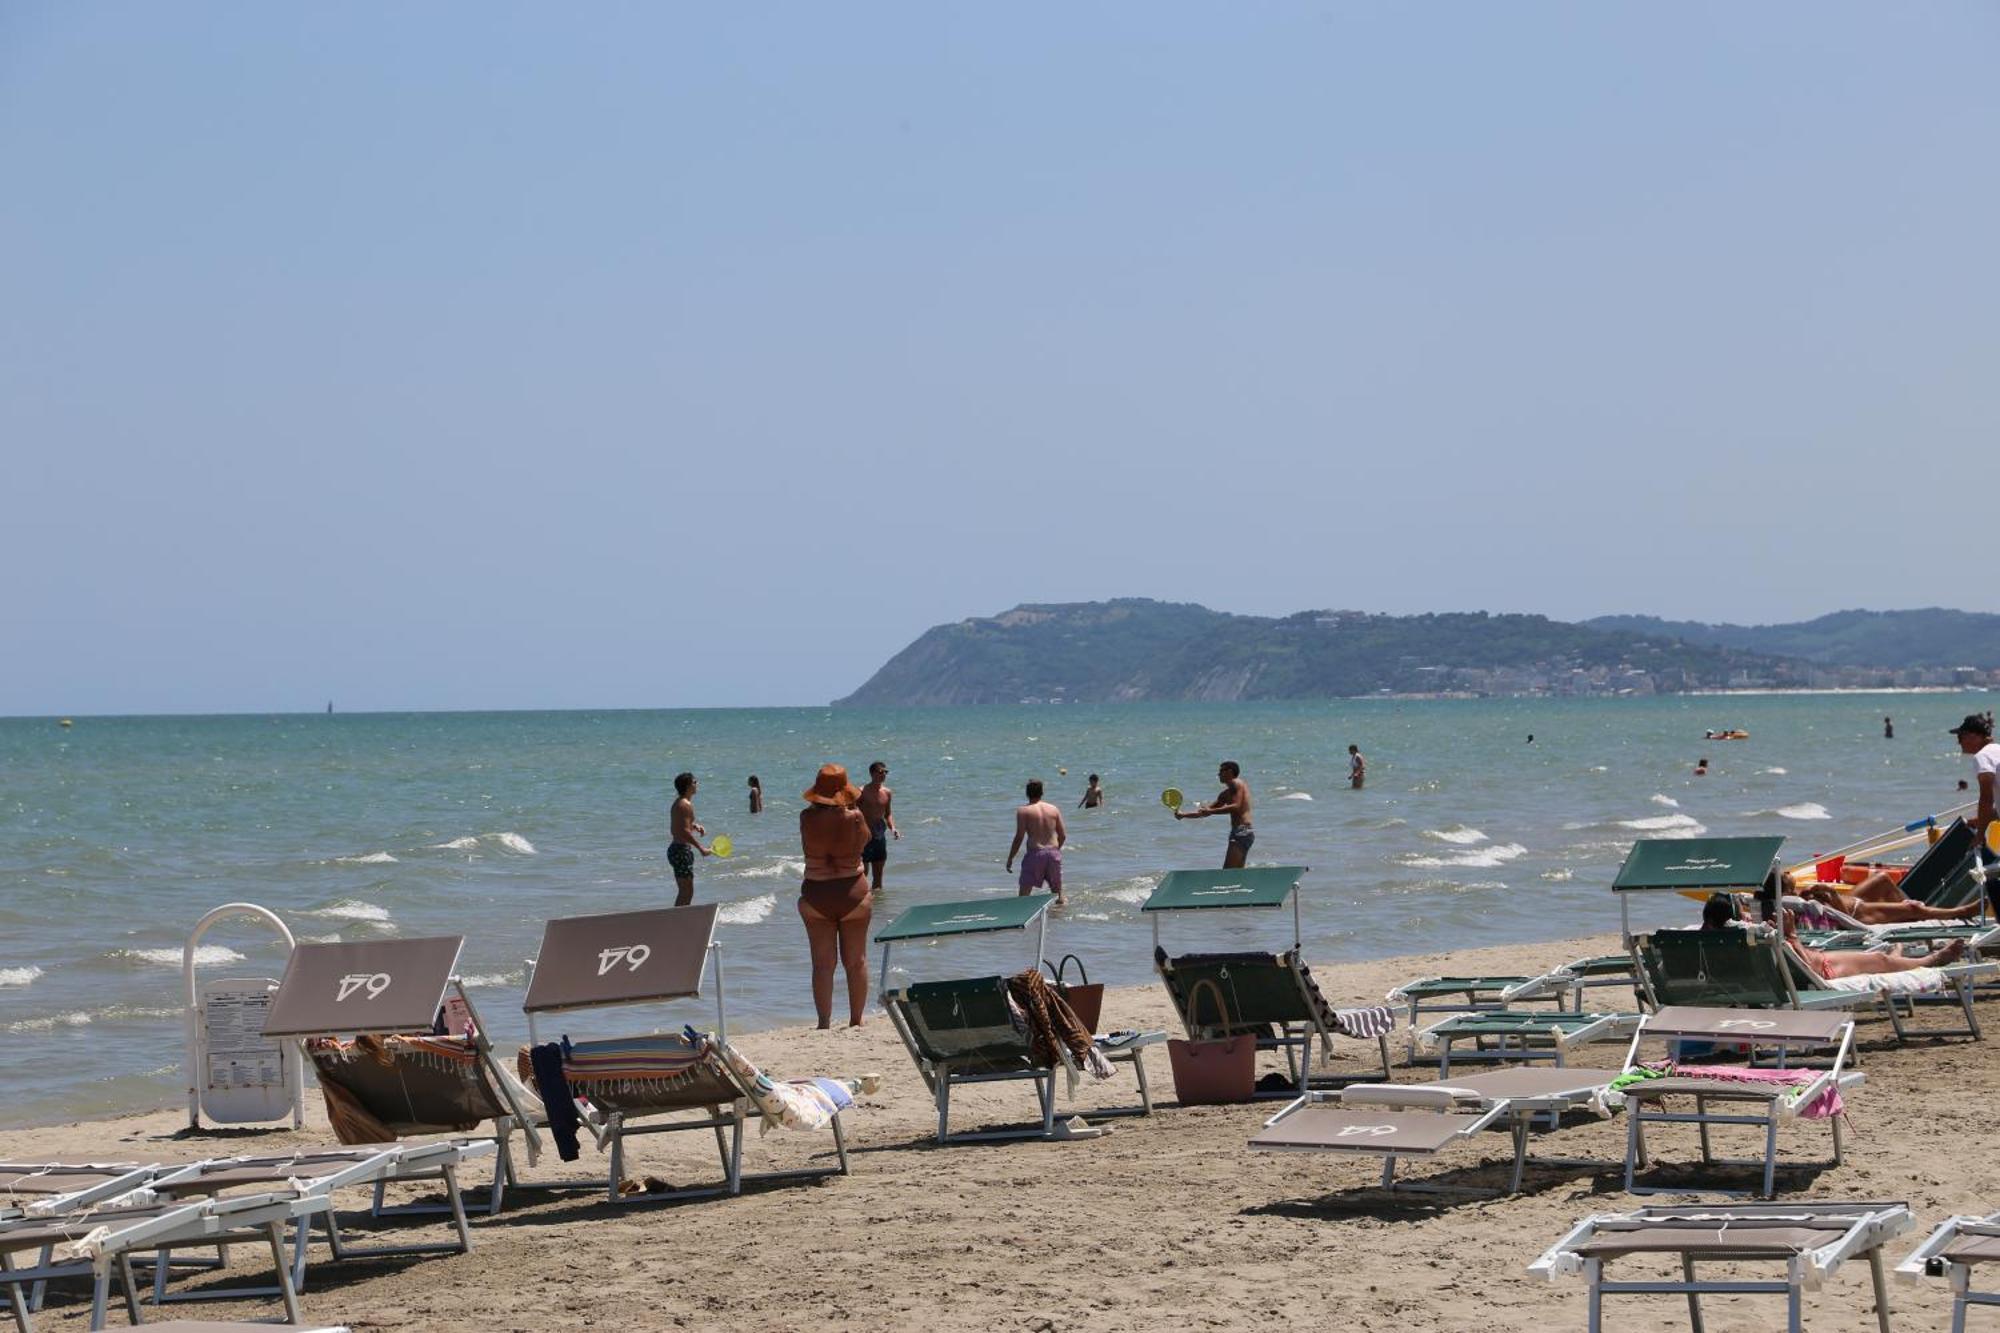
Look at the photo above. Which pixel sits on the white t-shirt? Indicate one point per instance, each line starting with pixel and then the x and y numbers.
pixel 1355 764
pixel 1988 761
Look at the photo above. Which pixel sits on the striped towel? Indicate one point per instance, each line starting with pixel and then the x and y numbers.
pixel 658 1058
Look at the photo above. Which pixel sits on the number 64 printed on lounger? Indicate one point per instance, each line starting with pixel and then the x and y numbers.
pixel 374 982
pixel 633 956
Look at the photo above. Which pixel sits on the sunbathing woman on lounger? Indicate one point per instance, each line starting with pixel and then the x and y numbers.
pixel 1832 963
pixel 1876 901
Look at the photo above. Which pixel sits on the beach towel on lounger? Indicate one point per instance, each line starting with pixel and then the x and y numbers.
pixel 1823 1107
pixel 1915 981
pixel 802 1103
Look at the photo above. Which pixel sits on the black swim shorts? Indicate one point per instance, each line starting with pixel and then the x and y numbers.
pixel 1242 836
pixel 681 857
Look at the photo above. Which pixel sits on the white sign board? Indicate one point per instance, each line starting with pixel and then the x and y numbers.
pixel 245 1076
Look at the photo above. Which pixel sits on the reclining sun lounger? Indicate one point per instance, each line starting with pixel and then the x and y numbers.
pixel 96 1241
pixel 1520 1036
pixel 1734 968
pixel 384 1085
pixel 1955 980
pixel 54 1187
pixel 965 1031
pixel 1473 994
pixel 1395 1120
pixel 1272 996
pixel 1811 1240
pixel 318 1173
pixel 1775 1096
pixel 1956 1251
pixel 656 957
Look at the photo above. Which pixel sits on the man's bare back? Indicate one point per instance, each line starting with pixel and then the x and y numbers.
pixel 1041 824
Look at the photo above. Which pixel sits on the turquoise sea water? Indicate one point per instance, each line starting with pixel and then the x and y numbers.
pixel 116 835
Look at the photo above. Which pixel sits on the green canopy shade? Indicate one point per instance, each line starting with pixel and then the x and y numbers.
pixel 1714 865
pixel 1194 890
pixel 930 920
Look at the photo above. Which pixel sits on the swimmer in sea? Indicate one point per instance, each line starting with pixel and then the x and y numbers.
pixel 756 796
pixel 686 838
pixel 1234 801
pixel 878 809
pixel 1093 795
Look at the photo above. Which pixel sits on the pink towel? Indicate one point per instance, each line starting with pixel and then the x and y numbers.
pixel 1822 1107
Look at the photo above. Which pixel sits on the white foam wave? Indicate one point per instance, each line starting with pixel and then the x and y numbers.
pixel 1599 768
pixel 352 909
pixel 514 842
pixel 1296 796
pixel 747 913
pixel 1663 824
pixel 1803 810
pixel 1457 833
pixel 19 976
pixel 205 955
pixel 53 1021
pixel 1560 875
pixel 1485 858
pixel 493 979
pixel 464 844
pixel 1776 771
pixel 1661 798
pixel 780 869
pixel 1132 891
pixel 372 859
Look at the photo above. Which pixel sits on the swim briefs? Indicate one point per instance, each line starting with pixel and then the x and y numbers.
pixel 877 850
pixel 1042 865
pixel 833 899
pixel 681 857
pixel 1242 836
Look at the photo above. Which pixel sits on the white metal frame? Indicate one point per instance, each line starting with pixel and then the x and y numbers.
pixel 196 1046
pixel 1928 1260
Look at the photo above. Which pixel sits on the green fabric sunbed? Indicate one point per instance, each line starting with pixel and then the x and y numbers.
pixel 1274 998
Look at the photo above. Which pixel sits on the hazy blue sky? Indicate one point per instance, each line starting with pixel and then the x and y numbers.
pixel 487 356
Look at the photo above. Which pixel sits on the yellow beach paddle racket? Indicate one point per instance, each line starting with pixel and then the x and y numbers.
pixel 1993 837
pixel 1171 798
pixel 721 845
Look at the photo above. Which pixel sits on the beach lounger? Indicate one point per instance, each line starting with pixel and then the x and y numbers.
pixel 1811 1240
pixel 1892 990
pixel 1947 874
pixel 1280 1002
pixel 1734 968
pixel 55 1187
pixel 677 1081
pixel 1462 995
pixel 392 1080
pixel 1957 1251
pixel 318 1173
pixel 1521 1036
pixel 97 1242
pixel 1400 1120
pixel 1770 1097
pixel 963 1031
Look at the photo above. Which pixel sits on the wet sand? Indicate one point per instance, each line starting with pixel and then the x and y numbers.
pixel 1168 1222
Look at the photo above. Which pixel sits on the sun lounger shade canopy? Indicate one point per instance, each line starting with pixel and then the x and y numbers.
pixel 929 920
pixel 1718 865
pixel 622 958
pixel 1195 890
pixel 372 986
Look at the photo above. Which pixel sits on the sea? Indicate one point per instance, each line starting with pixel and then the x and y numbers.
pixel 1482 822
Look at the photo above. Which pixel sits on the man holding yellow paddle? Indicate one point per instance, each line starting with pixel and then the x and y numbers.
pixel 1234 801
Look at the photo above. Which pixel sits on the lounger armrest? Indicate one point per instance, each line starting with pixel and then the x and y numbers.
pixel 1398 1094
pixel 1917 1266
pixel 1561 1258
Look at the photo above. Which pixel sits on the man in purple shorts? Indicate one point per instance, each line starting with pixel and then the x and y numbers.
pixel 1040 824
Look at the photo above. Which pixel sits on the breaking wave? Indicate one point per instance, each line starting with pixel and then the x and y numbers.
pixel 514 842
pixel 1458 834
pixel 1485 858
pixel 19 976
pixel 205 955
pixel 1803 810
pixel 351 909
pixel 747 913
pixel 371 859
pixel 777 870
pixel 1661 798
pixel 1667 826
pixel 1296 796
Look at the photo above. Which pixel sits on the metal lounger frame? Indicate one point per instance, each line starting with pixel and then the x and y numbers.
pixel 1529 1044
pixel 204 1223
pixel 1928 1260
pixel 1518 1113
pixel 1807 1270
pixel 1293 1038
pixel 939 1077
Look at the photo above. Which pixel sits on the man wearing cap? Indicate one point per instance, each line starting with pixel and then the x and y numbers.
pixel 1975 737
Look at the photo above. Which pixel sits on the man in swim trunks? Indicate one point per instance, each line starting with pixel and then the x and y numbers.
pixel 1093 795
pixel 686 838
pixel 1040 824
pixel 1233 801
pixel 1357 767
pixel 876 809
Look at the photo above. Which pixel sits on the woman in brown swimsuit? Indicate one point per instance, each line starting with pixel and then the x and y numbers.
pixel 834 900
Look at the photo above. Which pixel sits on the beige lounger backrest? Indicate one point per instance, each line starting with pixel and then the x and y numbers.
pixel 370 986
pixel 622 958
pixel 1810 1026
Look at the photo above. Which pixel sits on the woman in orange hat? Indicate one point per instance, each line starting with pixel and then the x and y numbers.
pixel 834 901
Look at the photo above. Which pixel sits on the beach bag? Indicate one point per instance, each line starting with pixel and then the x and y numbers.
pixel 1224 1069
pixel 1085 1000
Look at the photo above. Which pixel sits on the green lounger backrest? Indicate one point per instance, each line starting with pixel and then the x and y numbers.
pixel 965 1023
pixel 1724 969
pixel 1943 875
pixel 1258 989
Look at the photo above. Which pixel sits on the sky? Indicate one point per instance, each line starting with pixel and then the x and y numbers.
pixel 513 356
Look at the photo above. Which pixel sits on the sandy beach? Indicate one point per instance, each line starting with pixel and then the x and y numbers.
pixel 1166 1222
